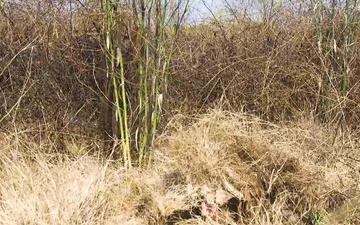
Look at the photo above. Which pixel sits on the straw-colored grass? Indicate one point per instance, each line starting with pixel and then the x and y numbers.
pixel 284 174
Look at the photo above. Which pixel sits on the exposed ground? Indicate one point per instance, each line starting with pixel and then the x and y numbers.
pixel 283 174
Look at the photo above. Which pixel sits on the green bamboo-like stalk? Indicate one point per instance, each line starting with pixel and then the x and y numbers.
pixel 115 57
pixel 335 63
pixel 174 35
pixel 161 63
pixel 155 88
pixel 348 28
pixel 122 112
pixel 333 44
pixel 143 87
pixel 318 7
pixel 348 32
pixel 157 57
pixel 153 59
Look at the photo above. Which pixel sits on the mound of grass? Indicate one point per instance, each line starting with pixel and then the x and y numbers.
pixel 281 174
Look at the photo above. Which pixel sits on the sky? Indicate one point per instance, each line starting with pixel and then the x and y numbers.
pixel 200 9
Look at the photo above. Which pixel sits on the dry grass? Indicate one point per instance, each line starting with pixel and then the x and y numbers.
pixel 283 174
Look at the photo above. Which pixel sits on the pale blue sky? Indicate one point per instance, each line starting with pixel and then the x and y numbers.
pixel 199 11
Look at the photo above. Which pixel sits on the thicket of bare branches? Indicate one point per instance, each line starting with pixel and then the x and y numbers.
pixel 52 65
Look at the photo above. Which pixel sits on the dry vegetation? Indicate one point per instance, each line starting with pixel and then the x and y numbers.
pixel 284 175
pixel 284 145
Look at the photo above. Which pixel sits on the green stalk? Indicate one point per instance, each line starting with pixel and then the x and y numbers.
pixel 348 27
pixel 321 104
pixel 122 112
pixel 110 61
pixel 333 43
pixel 159 28
pixel 318 8
pixel 153 61
pixel 123 117
pixel 142 73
